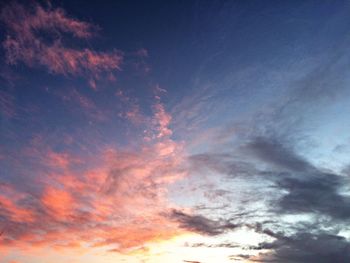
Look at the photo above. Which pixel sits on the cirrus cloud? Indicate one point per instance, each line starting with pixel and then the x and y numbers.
pixel 35 37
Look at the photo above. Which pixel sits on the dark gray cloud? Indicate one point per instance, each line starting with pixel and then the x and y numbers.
pixel 297 187
pixel 298 243
pixel 315 194
pixel 309 189
pixel 273 152
pixel 201 224
pixel 305 246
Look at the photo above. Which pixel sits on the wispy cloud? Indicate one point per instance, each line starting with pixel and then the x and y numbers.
pixel 201 224
pixel 119 200
pixel 36 36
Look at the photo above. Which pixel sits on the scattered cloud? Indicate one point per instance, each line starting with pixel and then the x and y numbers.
pixel 119 199
pixel 201 224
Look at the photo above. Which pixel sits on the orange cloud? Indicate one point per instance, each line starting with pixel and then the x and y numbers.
pixel 119 202
pixel 9 205
pixel 16 213
pixel 59 202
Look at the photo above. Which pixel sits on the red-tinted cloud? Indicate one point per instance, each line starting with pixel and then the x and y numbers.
pixel 119 202
pixel 10 200
pixel 36 37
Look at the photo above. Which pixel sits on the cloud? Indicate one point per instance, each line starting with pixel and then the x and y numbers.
pixel 304 189
pixel 309 189
pixel 116 198
pixel 312 196
pixel 316 193
pixel 305 246
pixel 36 34
pixel 11 207
pixel 274 152
pixel 201 224
pixel 299 186
pixel 227 245
pixel 161 120
pixel 58 202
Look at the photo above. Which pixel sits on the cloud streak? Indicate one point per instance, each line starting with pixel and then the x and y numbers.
pixel 201 224
pixel 36 37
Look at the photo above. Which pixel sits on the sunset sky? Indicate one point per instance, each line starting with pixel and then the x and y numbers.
pixel 175 131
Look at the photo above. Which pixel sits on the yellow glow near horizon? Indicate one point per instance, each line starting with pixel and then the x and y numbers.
pixel 174 250
pixel 184 247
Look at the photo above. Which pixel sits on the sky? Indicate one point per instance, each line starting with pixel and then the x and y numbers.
pixel 174 131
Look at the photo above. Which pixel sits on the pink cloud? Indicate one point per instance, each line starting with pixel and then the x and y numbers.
pixel 119 202
pixel 162 120
pixel 45 157
pixel 24 43
pixel 58 202
pixel 9 203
